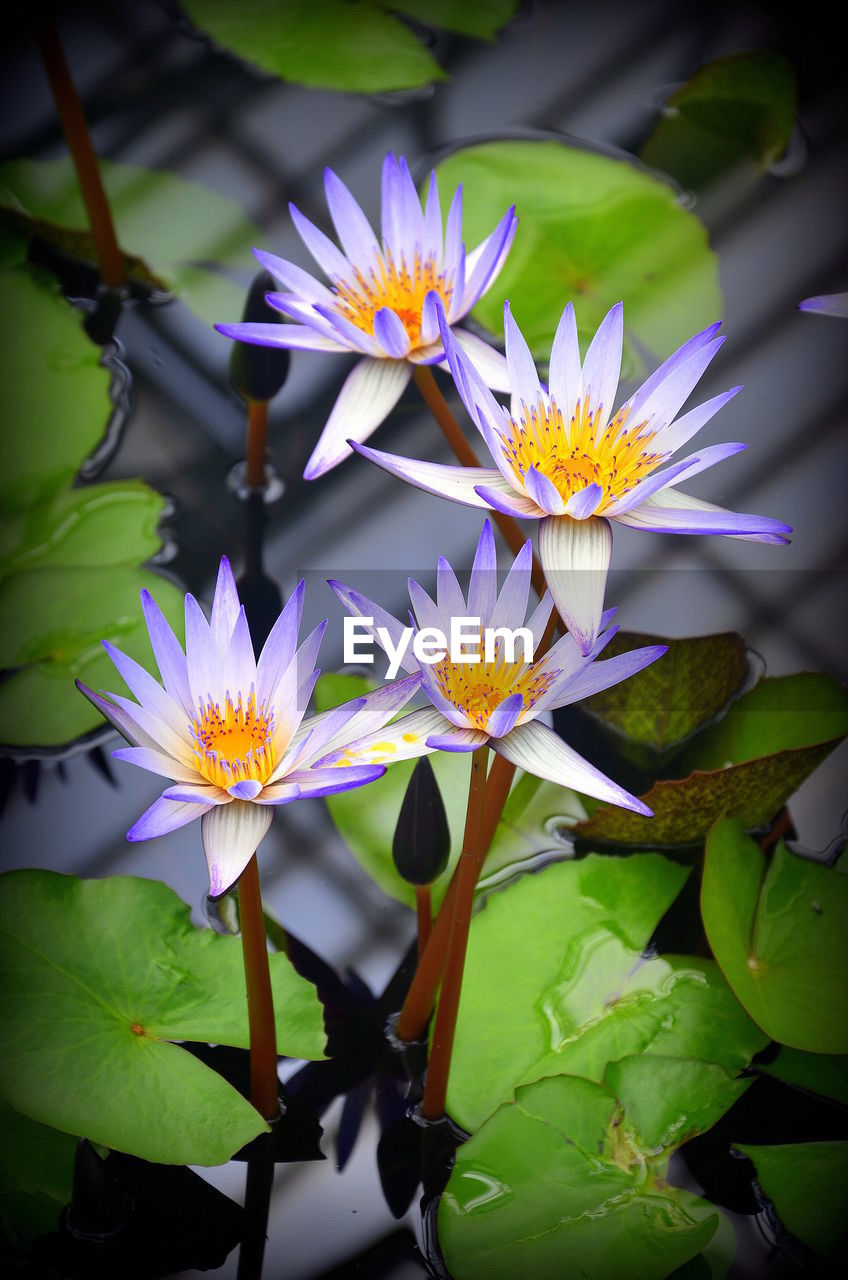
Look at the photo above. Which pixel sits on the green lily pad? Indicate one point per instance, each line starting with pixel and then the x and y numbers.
pixel 367 823
pixel 531 824
pixel 806 1183
pixel 669 1100
pixel 593 230
pixel 736 110
pixel 747 765
pixel 182 236
pixel 100 978
pixel 822 1073
pixel 557 1183
pixel 36 1165
pixel 780 933
pixel 55 393
pixel 547 957
pixel 673 698
pixel 351 45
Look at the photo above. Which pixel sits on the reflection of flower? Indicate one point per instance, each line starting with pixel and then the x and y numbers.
pixel 827 304
pixel 564 458
pixel 229 730
pixel 496 701
pixel 382 300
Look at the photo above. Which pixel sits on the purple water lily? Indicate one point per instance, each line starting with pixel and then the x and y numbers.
pixel 564 458
pixel 496 700
pixel 383 299
pixel 827 304
pixel 229 730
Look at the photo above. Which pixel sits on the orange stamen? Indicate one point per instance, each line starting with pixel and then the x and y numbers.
pixel 235 745
pixel 395 285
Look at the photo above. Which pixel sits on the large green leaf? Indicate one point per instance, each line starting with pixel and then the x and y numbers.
pixel 100 977
pixel 675 696
pixel 352 45
pixel 593 230
pixel 735 110
pixel 822 1073
pixel 54 393
pixel 747 765
pixel 36 1164
pixel 559 1183
pixel 533 818
pixel 554 980
pixel 779 930
pixel 806 1184
pixel 176 234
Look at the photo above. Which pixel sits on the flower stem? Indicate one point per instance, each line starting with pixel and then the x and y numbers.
pixel 438 1067
pixel 76 133
pixel 257 430
pixel 418 1005
pixel 260 1002
pixel 438 406
pixel 424 907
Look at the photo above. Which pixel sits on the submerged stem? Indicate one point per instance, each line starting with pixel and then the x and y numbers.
pixel 83 155
pixel 257 431
pixel 260 1002
pixel 438 1067
pixel 438 406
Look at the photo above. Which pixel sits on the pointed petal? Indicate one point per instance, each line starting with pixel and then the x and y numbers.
pixel 329 258
pixel 279 649
pixel 511 604
pixel 349 334
pixel 150 694
pixel 523 378
pixel 484 410
pixel 204 673
pixel 430 323
pixel 200 792
pixel 231 835
pixel 449 595
pixel 537 749
pixel 427 612
pixel 598 676
pixel 282 335
pixel 702 461
pixel 502 497
pixel 391 334
pixel 147 729
pixel 538 620
pixel 391 221
pixel 404 739
pixel 483 587
pixel 432 237
pixel 361 607
pixel 543 492
pixel 489 363
pixel 602 365
pixel 826 304
pixel 582 505
pixel 504 716
pixel 168 653
pixel 370 392
pixel 377 709
pixel 673 512
pixel 638 399
pixel 164 816
pixel 483 264
pixel 410 220
pixel 329 781
pixel 454 248
pixel 295 278
pixel 455 483
pixel 575 556
pixel 660 407
pixel 644 488
pixel 677 433
pixel 566 375
pixel 457 740
pixel 156 762
pixel 225 605
pixel 352 227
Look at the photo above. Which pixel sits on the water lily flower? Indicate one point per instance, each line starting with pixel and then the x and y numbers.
pixel 496 701
pixel 228 730
pixel 382 300
pixel 564 458
pixel 827 304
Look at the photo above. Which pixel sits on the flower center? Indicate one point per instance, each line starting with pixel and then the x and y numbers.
pixel 478 688
pixel 389 284
pixel 577 455
pixel 235 744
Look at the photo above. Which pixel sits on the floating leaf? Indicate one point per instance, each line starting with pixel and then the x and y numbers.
pixel 555 981
pixel 822 1073
pixel 534 816
pixel 780 933
pixel 36 1164
pixel 367 822
pixel 737 109
pixel 182 236
pixel 55 392
pixel 806 1183
pixel 593 230
pixel 674 697
pixel 557 1183
pixel 481 18
pixel 100 977
pixel 746 766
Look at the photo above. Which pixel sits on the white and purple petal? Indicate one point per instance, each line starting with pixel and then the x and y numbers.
pixel 575 556
pixel 231 835
pixel 355 233
pixel 602 366
pixel 370 392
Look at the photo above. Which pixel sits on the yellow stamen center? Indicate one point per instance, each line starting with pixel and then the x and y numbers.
pixel 234 744
pixel 478 688
pixel 395 285
pixel 576 455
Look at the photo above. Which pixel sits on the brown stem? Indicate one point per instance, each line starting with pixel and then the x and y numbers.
pixel 438 406
pixel 257 431
pixel 418 1005
pixel 438 1067
pixel 82 152
pixel 424 907
pixel 260 1001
